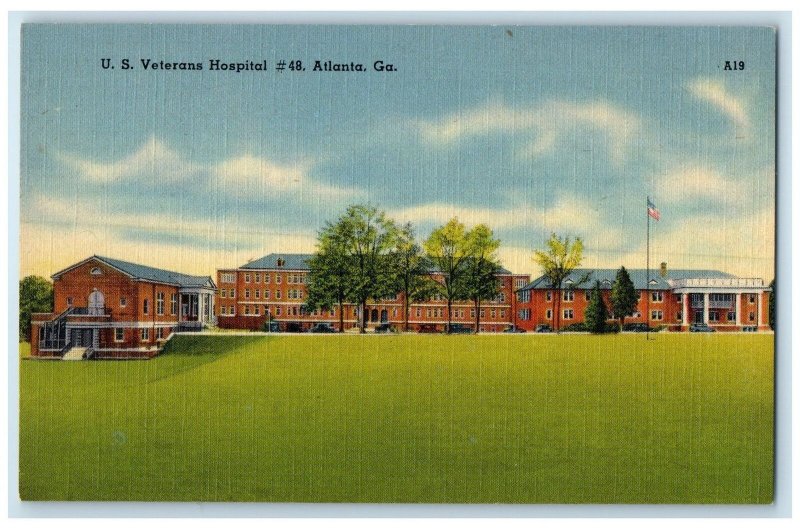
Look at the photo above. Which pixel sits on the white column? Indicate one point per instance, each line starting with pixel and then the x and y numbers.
pixel 705 307
pixel 200 306
pixel 738 308
pixel 760 310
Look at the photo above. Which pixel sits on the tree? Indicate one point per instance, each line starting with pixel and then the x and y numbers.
pixel 624 299
pixel 482 267
pixel 596 311
pixel 329 273
pixel 772 305
pixel 560 259
pixel 448 249
pixel 35 295
pixel 368 237
pixel 411 268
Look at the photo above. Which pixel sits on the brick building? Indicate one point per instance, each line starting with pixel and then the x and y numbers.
pixel 678 299
pixel 274 288
pixel 107 308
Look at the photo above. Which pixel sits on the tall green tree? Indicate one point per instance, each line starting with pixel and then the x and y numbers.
pixel 480 277
pixel 35 295
pixel 772 305
pixel 329 276
pixel 448 249
pixel 624 299
pixel 369 238
pixel 411 270
pixel 557 262
pixel 596 311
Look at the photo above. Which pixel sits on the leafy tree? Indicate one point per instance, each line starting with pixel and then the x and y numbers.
pixel 482 267
pixel 596 311
pixel 448 249
pixel 35 295
pixel 411 267
pixel 772 305
pixel 624 299
pixel 560 259
pixel 368 238
pixel 329 276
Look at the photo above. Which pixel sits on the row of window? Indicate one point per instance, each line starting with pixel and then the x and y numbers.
pixel 144 334
pixel 292 293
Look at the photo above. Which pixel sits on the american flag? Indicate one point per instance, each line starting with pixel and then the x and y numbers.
pixel 652 211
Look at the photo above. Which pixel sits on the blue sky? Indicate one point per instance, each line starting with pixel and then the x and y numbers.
pixel 531 130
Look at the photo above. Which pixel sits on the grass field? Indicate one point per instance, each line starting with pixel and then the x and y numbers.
pixel 507 418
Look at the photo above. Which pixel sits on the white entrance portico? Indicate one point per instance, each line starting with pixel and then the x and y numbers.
pixel 729 303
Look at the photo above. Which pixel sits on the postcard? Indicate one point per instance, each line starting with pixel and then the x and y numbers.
pixel 397 264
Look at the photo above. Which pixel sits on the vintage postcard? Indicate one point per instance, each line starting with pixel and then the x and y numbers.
pixel 381 264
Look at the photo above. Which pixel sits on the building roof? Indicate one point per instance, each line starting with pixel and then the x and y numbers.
pixel 299 261
pixel 606 276
pixel 291 261
pixel 148 273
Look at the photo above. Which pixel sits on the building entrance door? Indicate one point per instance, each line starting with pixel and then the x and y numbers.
pixel 82 337
pixel 698 316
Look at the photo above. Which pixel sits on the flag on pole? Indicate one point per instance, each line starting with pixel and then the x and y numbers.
pixel 652 211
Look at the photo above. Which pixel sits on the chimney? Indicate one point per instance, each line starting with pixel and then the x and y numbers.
pixel 663 269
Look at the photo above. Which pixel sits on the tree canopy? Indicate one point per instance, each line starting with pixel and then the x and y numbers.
pixel 624 298
pixel 557 262
pixel 35 295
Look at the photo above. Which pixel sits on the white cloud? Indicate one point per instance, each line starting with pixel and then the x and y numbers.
pixel 548 124
pixel 717 94
pixel 153 159
pixel 693 181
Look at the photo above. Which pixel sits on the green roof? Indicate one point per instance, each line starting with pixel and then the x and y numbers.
pixel 149 273
pixel 606 276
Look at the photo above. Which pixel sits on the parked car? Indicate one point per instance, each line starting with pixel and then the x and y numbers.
pixel 384 328
pixel 636 327
pixel 543 327
pixel 700 327
pixel 750 328
pixel 513 329
pixel 272 326
pixel 427 328
pixel 458 328
pixel 322 328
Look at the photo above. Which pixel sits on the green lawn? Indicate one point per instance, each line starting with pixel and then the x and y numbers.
pixel 613 419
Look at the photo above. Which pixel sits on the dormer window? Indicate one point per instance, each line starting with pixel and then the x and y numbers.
pixel 280 262
pixel 96 271
pixel 653 282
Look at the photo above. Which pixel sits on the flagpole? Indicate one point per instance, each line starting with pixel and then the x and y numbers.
pixel 647 315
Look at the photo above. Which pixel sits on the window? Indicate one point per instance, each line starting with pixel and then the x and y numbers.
pixel 678 298
pixel 524 314
pixel 332 313
pixel 119 334
pixel 223 293
pixel 568 295
pixel 731 316
pixel 266 277
pixel 428 313
pixel 257 293
pixel 483 313
pixel 69 302
pixel 277 294
pixel 472 313
pixel 160 333
pixel 258 310
pixel 519 282
pixel 222 310
pixel 278 278
pixel 247 293
pixel 160 303
pixel 280 262
pixel 247 278
pixel 587 294
pixel 679 316
pixel 258 277
pixel 419 312
pixel 247 310
pixel 549 296
pixel 146 334
pixel 123 302
pixel 146 306
pixel 278 311
pixel 657 297
pixel 568 314
pixel 524 296
pixel 752 316
pixel 232 293
pixel 266 294
pixel 232 310
pixel 502 297
pixel 173 304
pixel 713 316
pixel 656 315
pixel 493 312
pixel 96 271
pixel 752 298
pixel 394 313
pixel 502 313
pixel 227 278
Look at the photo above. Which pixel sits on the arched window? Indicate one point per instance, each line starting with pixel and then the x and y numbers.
pixel 97 303
pixel 96 271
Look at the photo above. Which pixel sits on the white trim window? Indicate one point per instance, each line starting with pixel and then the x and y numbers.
pixel 160 303
pixel 568 295
pixel 247 293
pixel 145 334
pixel 145 306
pixel 257 277
pixel 548 314
pixel 568 314
pixel 173 304
pixel 160 333
pixel 123 301
pixel 713 315
pixel 223 293
pixel 548 296
pixel 247 278
pixel 257 293
pixel 119 334
pixel 656 315
pixel 266 294
pixel 657 297
pixel 227 278
pixel 232 293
